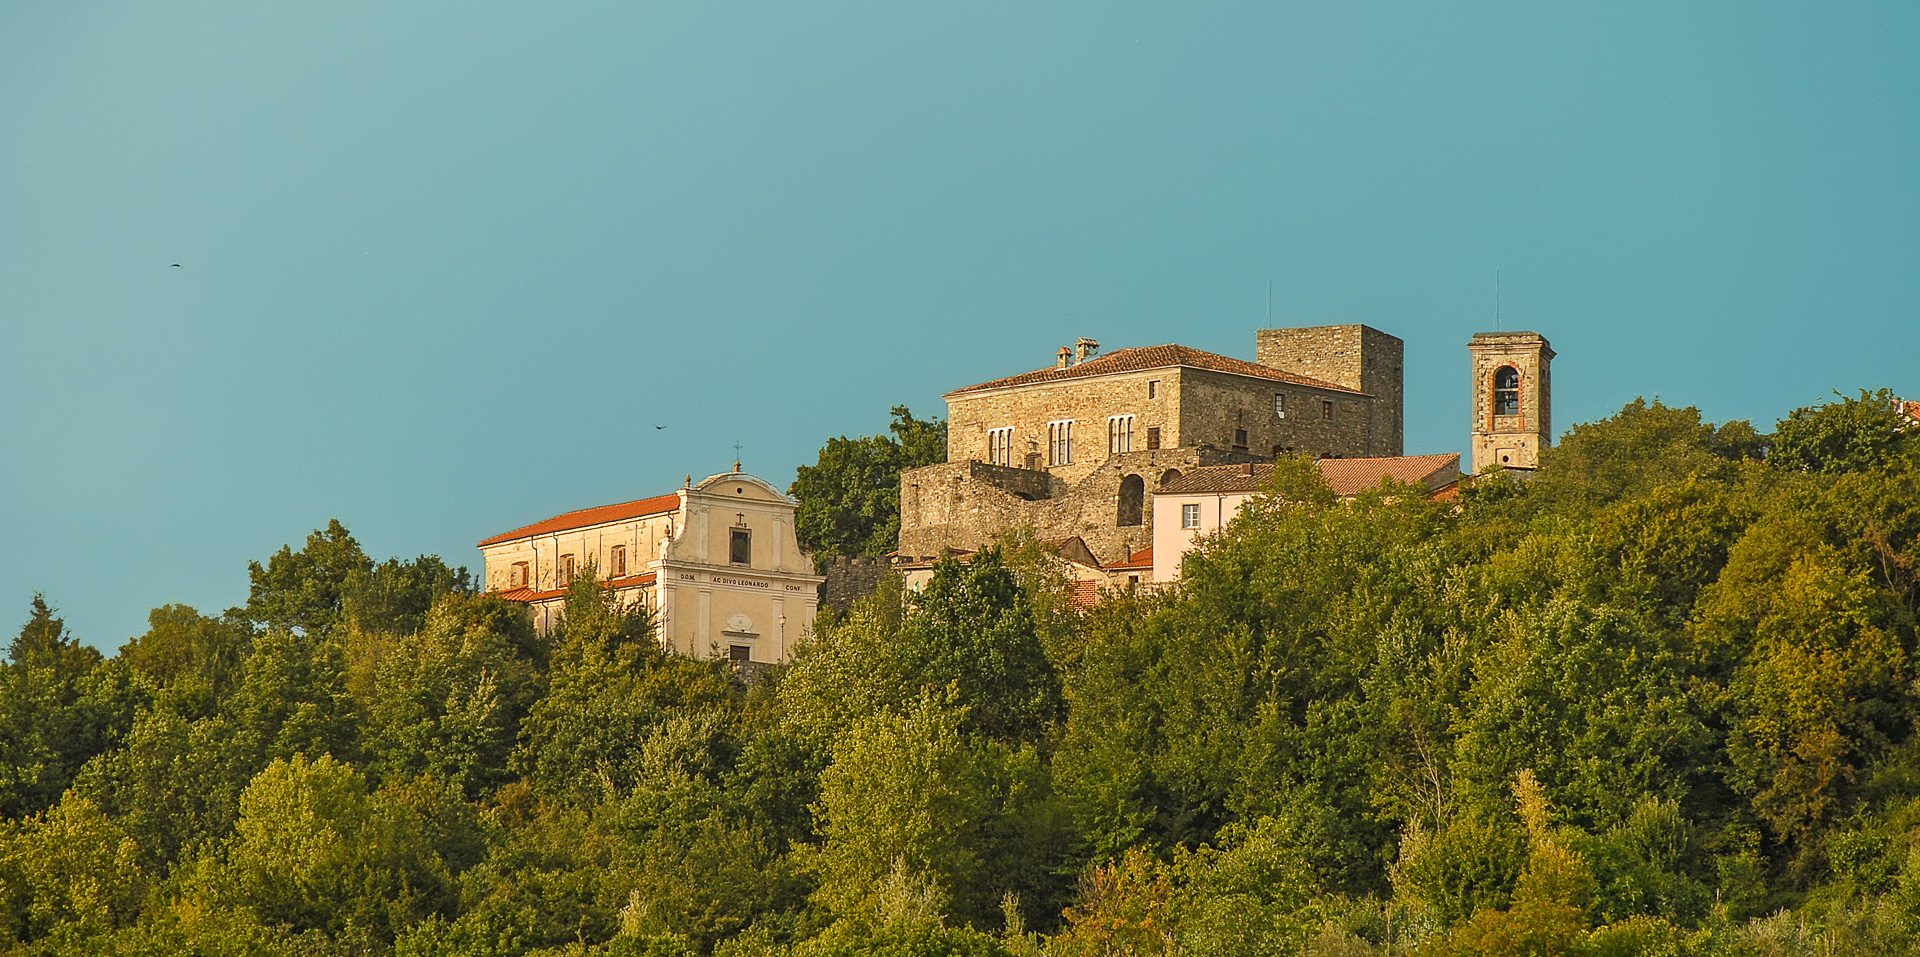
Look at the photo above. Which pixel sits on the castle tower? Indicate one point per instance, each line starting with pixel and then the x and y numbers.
pixel 1512 394
pixel 1359 357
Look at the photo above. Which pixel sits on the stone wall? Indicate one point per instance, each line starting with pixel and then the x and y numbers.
pixel 1214 407
pixel 970 504
pixel 850 579
pixel 1355 356
pixel 1152 398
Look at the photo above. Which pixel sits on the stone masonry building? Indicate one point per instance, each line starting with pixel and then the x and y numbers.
pixel 1512 399
pixel 1078 448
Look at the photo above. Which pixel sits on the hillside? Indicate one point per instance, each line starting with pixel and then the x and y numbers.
pixel 1657 699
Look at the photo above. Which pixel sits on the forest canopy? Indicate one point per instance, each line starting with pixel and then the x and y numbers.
pixel 1658 698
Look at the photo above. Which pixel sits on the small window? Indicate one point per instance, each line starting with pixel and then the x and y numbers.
pixel 1153 388
pixel 1326 409
pixel 1506 391
pixel 517 576
pixel 1239 440
pixel 617 561
pixel 1000 446
pixel 566 569
pixel 740 547
pixel 1119 434
pixel 1153 437
pixel 1060 442
pixel 1279 406
pixel 739 654
pixel 1189 516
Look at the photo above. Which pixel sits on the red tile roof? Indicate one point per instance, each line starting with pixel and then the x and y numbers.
pixel 529 595
pixel 1140 559
pixel 1353 476
pixel 591 516
pixel 1154 357
pixel 1344 476
pixel 1910 409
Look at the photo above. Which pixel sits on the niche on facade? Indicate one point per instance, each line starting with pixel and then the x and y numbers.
pixel 1133 498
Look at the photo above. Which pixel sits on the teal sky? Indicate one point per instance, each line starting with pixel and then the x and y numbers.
pixel 445 266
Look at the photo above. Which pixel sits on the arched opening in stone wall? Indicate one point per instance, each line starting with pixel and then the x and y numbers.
pixel 1133 500
pixel 1169 477
pixel 1506 391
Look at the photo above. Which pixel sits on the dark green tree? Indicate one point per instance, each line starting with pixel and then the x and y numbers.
pixel 850 497
pixel 59 706
pixel 1854 434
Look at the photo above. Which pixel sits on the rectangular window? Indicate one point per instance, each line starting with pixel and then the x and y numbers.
pixel 1000 446
pixel 566 570
pixel 1279 406
pixel 1153 388
pixel 739 653
pixel 740 547
pixel 517 577
pixel 1189 516
pixel 617 561
pixel 1119 434
pixel 1153 437
pixel 1239 440
pixel 1326 409
pixel 1060 442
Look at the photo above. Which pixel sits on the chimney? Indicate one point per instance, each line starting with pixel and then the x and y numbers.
pixel 1249 468
pixel 1083 349
pixel 1061 359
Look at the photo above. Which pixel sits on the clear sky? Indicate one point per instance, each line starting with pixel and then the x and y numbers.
pixel 444 267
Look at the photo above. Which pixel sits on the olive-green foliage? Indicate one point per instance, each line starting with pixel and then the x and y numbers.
pixel 1657 699
pixel 1852 435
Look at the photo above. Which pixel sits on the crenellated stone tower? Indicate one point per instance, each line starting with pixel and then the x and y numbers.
pixel 1512 395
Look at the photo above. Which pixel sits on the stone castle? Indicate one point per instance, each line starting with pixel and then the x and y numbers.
pixel 1079 448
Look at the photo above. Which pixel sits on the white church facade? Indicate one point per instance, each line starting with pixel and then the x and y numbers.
pixel 716 563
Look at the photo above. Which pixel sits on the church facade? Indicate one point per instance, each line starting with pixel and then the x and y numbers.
pixel 715 562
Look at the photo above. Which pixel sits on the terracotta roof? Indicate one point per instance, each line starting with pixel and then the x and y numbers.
pixel 598 515
pixel 529 595
pixel 1140 559
pixel 1345 476
pixel 1154 357
pixel 1910 409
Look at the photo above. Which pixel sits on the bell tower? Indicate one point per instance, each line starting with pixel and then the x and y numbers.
pixel 1512 394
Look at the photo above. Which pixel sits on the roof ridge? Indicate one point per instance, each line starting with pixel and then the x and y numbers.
pixel 1169 354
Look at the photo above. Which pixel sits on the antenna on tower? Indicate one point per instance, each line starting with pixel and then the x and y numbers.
pixel 1269 300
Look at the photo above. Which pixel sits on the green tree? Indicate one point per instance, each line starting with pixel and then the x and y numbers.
pixel 1852 435
pixel 313 850
pixel 304 590
pixel 67 876
pixel 972 628
pixel 447 700
pixel 849 499
pixel 59 706
pixel 610 685
pixel 911 790
pixel 188 661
